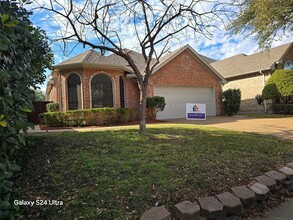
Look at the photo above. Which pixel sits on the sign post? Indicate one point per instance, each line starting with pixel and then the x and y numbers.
pixel 195 111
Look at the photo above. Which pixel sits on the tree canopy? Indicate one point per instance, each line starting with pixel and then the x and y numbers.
pixel 40 95
pixel 24 55
pixel 279 85
pixel 266 19
pixel 150 27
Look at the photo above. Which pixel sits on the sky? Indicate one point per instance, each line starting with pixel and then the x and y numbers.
pixel 221 44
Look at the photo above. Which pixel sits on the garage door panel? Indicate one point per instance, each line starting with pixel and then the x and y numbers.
pixel 183 90
pixel 177 97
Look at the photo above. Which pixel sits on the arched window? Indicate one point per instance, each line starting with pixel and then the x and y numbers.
pixel 121 86
pixel 102 92
pixel 288 65
pixel 74 92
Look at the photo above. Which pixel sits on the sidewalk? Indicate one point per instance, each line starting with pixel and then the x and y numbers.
pixel 284 212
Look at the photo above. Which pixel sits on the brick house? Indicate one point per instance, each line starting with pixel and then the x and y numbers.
pixel 249 73
pixel 90 80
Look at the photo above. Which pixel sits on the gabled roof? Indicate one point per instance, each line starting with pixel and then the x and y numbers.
pixel 205 60
pixel 243 64
pixel 93 58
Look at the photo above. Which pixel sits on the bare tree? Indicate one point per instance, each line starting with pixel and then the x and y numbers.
pixel 154 24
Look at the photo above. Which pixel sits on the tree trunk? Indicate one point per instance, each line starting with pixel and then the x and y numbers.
pixel 142 110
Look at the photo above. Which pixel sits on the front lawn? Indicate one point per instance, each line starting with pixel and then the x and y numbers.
pixel 119 174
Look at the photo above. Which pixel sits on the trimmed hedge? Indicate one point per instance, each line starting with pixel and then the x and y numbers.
pixel 95 116
pixel 285 109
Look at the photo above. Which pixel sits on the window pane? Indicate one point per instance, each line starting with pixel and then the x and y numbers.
pixel 102 92
pixel 288 65
pixel 122 99
pixel 74 92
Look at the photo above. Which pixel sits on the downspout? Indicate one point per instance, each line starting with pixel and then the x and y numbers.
pixel 264 83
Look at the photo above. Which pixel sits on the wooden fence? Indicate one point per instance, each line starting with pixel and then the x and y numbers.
pixel 39 108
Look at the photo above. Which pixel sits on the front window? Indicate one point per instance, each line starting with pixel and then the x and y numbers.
pixel 74 92
pixel 102 91
pixel 121 86
pixel 288 65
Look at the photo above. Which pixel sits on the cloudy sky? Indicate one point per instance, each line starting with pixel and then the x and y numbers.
pixel 218 46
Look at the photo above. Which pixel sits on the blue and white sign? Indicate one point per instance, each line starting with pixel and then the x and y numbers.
pixel 195 111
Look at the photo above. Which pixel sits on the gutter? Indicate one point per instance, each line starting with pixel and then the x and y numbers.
pixel 247 73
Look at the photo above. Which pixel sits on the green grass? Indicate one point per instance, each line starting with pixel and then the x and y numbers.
pixel 118 174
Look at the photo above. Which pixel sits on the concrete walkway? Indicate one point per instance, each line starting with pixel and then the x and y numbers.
pixel 284 212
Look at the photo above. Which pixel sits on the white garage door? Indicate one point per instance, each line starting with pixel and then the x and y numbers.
pixel 177 97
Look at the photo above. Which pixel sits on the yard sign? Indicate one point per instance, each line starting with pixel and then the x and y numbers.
pixel 195 111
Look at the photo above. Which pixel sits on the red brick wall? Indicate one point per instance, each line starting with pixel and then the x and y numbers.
pixel 131 93
pixel 185 70
pixel 86 74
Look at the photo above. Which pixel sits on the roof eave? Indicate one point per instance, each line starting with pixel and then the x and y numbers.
pixel 248 73
pixel 90 65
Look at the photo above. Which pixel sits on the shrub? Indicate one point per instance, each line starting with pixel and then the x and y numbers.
pixel 52 107
pixel 151 114
pixel 52 119
pixel 280 84
pixel 154 104
pixel 285 109
pixel 231 101
pixel 73 118
pixel 24 56
pixel 127 115
pixel 96 116
pixel 100 116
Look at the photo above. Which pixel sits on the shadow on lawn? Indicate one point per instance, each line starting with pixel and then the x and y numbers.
pixel 120 174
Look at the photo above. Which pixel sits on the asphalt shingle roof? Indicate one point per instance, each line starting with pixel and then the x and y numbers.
pixel 93 57
pixel 242 64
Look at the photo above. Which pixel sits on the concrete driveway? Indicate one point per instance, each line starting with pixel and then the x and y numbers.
pixel 281 127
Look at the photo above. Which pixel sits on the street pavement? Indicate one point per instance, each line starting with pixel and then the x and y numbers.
pixel 284 212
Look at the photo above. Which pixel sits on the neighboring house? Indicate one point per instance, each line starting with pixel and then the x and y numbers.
pixel 249 73
pixel 91 80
